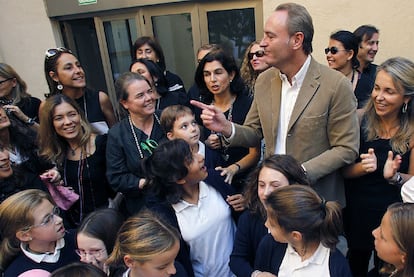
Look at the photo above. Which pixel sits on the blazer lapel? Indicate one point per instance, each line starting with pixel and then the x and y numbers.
pixel 307 91
pixel 275 88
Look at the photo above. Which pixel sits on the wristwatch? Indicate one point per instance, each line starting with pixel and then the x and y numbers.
pixel 30 121
pixel 396 180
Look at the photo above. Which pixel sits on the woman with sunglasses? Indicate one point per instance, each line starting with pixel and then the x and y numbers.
pixel 133 138
pixel 153 73
pixel 65 74
pixel 15 99
pixel 220 84
pixel 67 140
pixel 252 65
pixel 342 53
pixel 33 235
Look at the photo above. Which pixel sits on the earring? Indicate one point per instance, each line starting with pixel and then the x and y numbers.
pixel 404 108
pixel 59 86
pixel 231 80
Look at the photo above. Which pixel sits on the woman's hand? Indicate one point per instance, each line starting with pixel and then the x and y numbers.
pixel 392 164
pixel 213 141
pixel 17 112
pixel 237 201
pixel 52 175
pixel 229 172
pixel 369 161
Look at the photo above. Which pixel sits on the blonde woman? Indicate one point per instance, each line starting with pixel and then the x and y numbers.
pixel 147 246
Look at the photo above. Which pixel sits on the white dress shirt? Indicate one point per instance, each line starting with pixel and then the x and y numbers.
pixel 288 99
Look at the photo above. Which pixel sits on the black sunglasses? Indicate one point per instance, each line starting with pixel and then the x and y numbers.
pixel 258 53
pixel 54 51
pixel 333 50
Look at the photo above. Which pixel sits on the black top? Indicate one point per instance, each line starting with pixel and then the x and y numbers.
pixel 93 106
pixel 250 231
pixel 241 107
pixel 93 187
pixel 368 196
pixel 124 167
pixel 30 107
pixel 365 84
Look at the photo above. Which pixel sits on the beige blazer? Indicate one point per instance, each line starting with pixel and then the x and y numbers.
pixel 323 132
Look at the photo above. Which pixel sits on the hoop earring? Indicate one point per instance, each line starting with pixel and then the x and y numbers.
pixel 59 86
pixel 404 108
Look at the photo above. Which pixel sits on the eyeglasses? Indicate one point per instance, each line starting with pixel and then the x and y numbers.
pixel 333 50
pixel 94 253
pixel 49 218
pixel 258 53
pixel 8 79
pixel 50 53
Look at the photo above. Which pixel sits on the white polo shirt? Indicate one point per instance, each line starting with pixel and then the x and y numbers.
pixel 317 265
pixel 209 230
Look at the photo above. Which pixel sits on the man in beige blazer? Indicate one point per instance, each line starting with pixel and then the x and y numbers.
pixel 320 129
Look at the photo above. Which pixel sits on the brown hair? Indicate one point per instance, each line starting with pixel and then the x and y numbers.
pixel 285 164
pixel 300 208
pixel 170 114
pixel 53 146
pixel 402 228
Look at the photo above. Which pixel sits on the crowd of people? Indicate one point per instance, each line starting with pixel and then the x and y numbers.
pixel 255 172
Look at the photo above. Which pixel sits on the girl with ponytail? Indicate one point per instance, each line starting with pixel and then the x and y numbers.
pixel 304 230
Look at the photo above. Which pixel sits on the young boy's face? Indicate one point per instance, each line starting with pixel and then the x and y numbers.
pixel 186 128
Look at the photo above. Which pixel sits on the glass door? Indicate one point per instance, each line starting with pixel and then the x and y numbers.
pixel 116 34
pixel 232 26
pixel 176 29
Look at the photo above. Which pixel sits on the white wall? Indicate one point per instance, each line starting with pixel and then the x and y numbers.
pixel 26 31
pixel 394 19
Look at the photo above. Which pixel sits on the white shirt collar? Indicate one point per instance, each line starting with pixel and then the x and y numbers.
pixel 300 75
pixel 318 257
pixel 182 204
pixel 45 257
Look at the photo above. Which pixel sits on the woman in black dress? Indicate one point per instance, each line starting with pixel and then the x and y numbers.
pixel 67 140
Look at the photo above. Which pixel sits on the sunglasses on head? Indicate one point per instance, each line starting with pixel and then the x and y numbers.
pixel 258 53
pixel 333 50
pixel 54 51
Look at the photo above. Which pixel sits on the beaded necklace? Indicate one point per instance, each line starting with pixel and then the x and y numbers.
pixel 81 167
pixel 135 135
